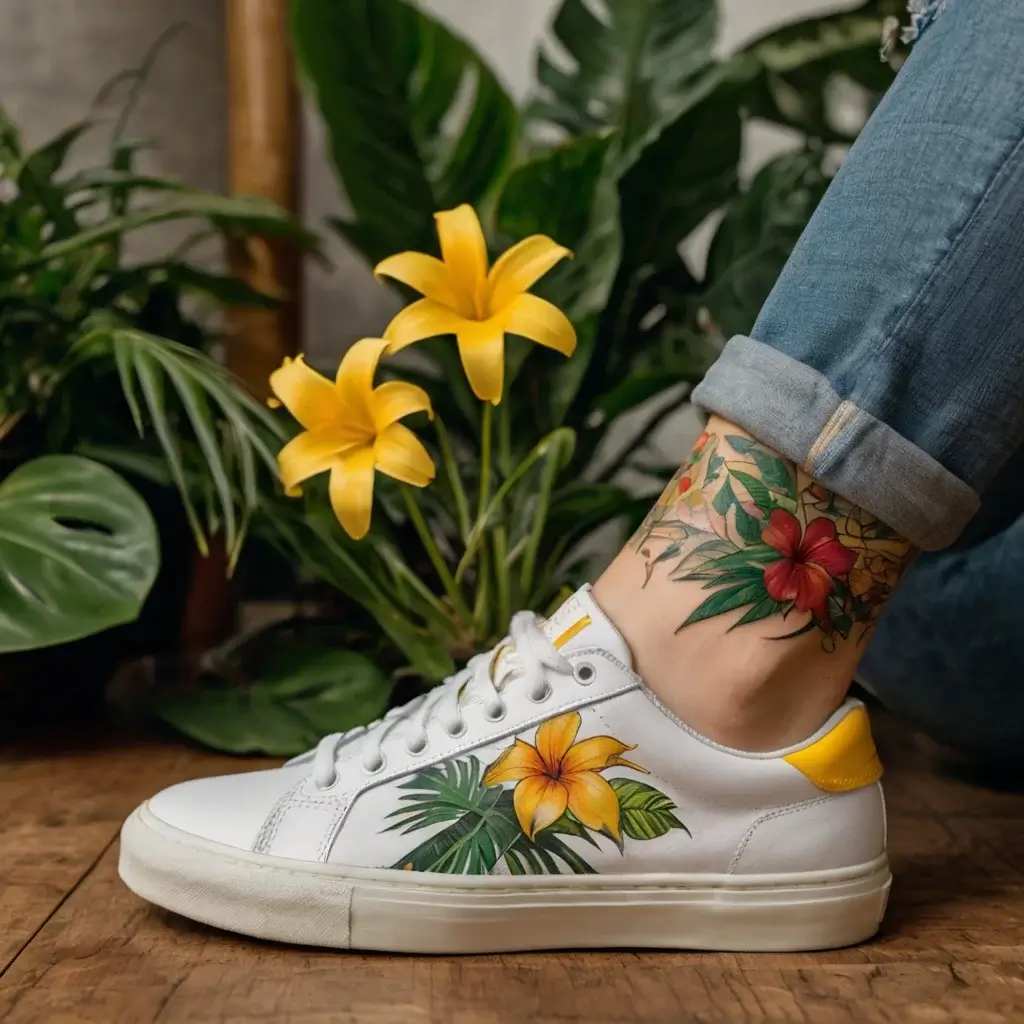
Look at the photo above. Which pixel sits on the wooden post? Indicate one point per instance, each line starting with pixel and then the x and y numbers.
pixel 263 160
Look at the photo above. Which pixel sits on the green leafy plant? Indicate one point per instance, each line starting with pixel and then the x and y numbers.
pixel 265 698
pixel 619 158
pixel 105 360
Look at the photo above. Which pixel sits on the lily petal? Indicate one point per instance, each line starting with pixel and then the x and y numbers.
pixel 540 801
pixel 541 321
pixel 314 451
pixel 554 738
pixel 423 273
pixel 309 396
pixel 518 269
pixel 396 399
pixel 355 379
pixel 594 802
pixel 515 763
pixel 423 319
pixel 351 491
pixel 596 753
pixel 482 350
pixel 465 255
pixel 400 453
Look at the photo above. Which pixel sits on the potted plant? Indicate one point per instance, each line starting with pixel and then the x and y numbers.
pixel 108 386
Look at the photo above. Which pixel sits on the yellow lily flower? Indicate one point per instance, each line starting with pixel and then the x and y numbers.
pixel 476 304
pixel 352 430
pixel 559 774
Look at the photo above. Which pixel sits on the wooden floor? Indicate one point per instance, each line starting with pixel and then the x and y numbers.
pixel 76 946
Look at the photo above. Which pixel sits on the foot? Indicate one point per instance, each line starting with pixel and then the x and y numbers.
pixel 439 828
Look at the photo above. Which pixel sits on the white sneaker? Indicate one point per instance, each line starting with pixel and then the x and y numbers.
pixel 541 798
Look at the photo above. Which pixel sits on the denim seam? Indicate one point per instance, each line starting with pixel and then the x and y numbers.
pixel 839 420
pixel 929 287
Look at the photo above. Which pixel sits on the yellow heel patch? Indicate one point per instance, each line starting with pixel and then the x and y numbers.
pixel 844 758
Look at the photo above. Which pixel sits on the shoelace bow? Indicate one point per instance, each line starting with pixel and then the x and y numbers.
pixel 528 654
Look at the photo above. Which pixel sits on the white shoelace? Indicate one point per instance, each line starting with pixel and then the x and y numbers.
pixel 527 654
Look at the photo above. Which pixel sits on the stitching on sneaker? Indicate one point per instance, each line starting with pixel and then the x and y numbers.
pixel 266 834
pixel 333 830
pixel 779 812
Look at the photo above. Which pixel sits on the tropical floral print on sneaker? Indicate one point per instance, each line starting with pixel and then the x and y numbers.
pixel 524 809
pixel 766 540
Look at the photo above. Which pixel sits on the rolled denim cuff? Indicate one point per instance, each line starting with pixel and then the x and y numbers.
pixel 794 409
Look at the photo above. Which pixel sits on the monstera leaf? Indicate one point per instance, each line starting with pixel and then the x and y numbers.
pixel 569 193
pixel 757 234
pixel 800 63
pixel 389 81
pixel 301 694
pixel 633 61
pixel 78 552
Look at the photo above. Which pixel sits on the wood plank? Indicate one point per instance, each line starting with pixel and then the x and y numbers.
pixel 952 949
pixel 62 802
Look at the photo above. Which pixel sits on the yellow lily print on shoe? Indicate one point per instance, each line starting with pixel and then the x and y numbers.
pixel 558 797
pixel 479 305
pixel 558 775
pixel 351 430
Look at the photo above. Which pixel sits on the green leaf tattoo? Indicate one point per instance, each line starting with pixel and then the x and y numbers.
pixel 769 542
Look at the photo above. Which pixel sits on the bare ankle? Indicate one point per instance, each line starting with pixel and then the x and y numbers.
pixel 749 591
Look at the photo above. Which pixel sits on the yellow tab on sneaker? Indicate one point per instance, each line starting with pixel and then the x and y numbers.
pixel 567 634
pixel 579 622
pixel 844 758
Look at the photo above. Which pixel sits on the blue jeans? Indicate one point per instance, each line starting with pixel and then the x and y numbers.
pixel 889 362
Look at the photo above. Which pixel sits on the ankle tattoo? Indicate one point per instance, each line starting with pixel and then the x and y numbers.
pixel 761 535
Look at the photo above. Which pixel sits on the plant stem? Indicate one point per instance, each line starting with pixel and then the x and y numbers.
pixel 549 475
pixel 451 467
pixel 501 577
pixel 486 432
pixel 505 439
pixel 481 604
pixel 436 559
pixel 7 425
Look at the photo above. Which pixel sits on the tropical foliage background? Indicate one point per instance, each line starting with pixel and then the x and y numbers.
pixel 632 142
pixel 106 380
pixel 630 146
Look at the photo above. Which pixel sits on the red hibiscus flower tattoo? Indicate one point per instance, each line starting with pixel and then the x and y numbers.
pixel 810 563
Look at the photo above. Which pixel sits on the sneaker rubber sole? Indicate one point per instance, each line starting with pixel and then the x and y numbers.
pixel 345 907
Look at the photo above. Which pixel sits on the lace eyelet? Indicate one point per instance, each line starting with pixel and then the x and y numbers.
pixel 418 749
pixel 539 698
pixel 459 730
pixel 584 673
pixel 330 785
pixel 376 768
pixel 497 714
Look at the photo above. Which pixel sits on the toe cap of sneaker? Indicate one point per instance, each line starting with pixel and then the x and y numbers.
pixel 227 809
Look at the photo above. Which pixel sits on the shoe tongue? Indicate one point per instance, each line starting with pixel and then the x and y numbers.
pixel 579 623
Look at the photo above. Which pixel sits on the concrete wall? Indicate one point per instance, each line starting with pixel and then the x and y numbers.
pixel 55 55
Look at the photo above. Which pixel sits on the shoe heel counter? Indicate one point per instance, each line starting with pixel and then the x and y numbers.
pixel 845 758
pixel 832 831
